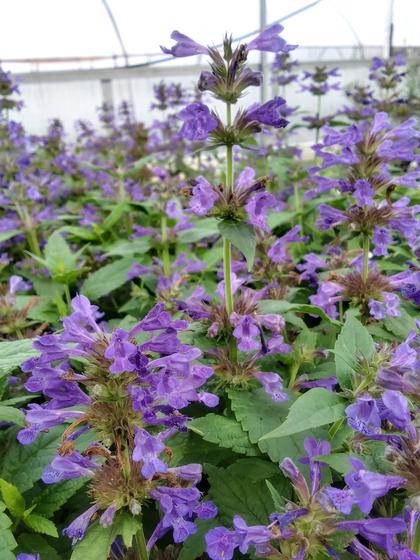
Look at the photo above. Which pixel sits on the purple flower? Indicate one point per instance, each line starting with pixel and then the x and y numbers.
pixel 120 350
pixel 17 284
pixel 379 531
pixel 184 46
pixel 410 289
pixel 257 208
pixel 272 384
pixel 388 307
pixel 291 471
pixel 278 252
pixel 221 543
pixel 70 466
pixel 326 298
pixel 393 406
pixel 363 193
pixel 342 500
pixel 381 238
pixel 363 416
pixel 330 217
pixel 77 528
pixel 269 40
pixel 314 448
pixel 198 122
pixel 24 556
pixel 180 506
pixel 146 449
pixel 203 197
pixel 257 534
pixel 268 113
pixel 107 517
pixel 366 486
pixel 309 267
pixel 246 331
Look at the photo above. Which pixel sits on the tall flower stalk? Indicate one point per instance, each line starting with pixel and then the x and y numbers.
pixel 228 78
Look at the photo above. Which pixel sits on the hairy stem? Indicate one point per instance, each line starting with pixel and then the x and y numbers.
pixel 366 246
pixel 227 256
pixel 166 261
pixel 140 545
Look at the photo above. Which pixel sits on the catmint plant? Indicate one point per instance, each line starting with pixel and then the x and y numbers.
pixel 227 80
pixel 128 395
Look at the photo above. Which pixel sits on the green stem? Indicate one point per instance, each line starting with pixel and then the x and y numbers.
pixel 166 261
pixel 366 246
pixel 227 253
pixel 298 205
pixel 341 310
pixel 140 545
pixel 30 230
pixel 228 277
pixel 122 198
pixel 67 294
pixel 293 373
pixel 416 540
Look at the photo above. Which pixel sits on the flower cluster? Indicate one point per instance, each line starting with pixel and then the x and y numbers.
pixel 131 394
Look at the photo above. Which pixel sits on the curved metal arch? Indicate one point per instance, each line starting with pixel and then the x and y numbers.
pixel 116 29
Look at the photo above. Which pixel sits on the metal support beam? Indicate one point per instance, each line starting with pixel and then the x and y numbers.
pixel 106 90
pixel 263 55
pixel 389 31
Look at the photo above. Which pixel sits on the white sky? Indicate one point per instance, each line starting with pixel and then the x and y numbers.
pixel 42 28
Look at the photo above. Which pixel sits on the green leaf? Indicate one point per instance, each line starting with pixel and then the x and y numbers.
pixel 58 254
pixel 339 461
pixel 353 343
pixel 317 407
pixel 107 279
pixel 283 306
pixel 24 464
pixel 7 540
pixel 5 235
pixel 123 248
pixel 278 500
pixel 242 236
pixel 223 431
pixel 126 526
pixel 115 216
pixel 95 544
pixel 259 415
pixel 13 415
pixel 400 326
pixel 31 543
pixel 195 545
pixel 203 228
pixel 80 232
pixel 13 353
pixel 98 540
pixel 41 524
pixel 235 493
pixel 12 498
pixel 56 495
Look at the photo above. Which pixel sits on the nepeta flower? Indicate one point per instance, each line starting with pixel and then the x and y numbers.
pixel 268 113
pixel 379 531
pixel 221 543
pixel 269 40
pixel 198 122
pixel 363 488
pixel 77 528
pixel 203 196
pixel 184 46
pixel 257 208
pixel 146 449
